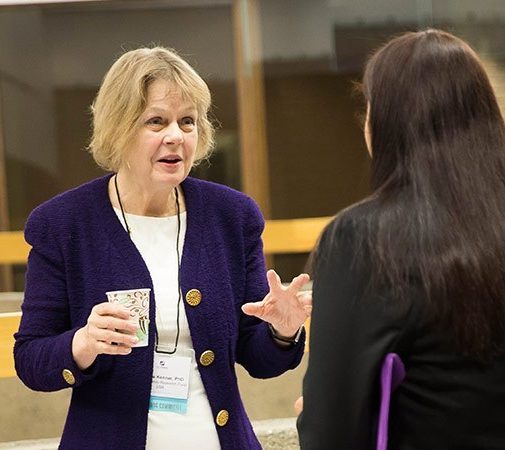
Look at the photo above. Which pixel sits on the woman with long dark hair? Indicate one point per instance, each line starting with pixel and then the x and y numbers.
pixel 417 268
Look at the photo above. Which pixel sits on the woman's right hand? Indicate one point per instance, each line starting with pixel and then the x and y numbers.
pixel 109 330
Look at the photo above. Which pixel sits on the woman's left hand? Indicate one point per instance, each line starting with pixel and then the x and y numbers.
pixel 283 307
pixel 298 405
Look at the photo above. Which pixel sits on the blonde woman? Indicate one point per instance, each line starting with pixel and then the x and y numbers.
pixel 195 244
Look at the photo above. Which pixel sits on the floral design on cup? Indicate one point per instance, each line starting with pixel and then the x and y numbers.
pixel 137 301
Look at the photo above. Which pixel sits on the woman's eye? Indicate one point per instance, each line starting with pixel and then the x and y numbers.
pixel 187 123
pixel 155 121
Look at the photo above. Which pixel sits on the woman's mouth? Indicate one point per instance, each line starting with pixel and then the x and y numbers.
pixel 170 160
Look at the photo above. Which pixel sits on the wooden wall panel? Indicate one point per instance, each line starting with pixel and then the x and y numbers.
pixel 9 324
pixel 251 103
pixel 6 279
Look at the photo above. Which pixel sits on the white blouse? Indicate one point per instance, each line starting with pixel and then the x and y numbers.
pixel 155 238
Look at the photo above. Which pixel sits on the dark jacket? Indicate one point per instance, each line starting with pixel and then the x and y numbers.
pixel 447 401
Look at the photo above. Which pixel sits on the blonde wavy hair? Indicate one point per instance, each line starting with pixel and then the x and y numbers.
pixel 122 98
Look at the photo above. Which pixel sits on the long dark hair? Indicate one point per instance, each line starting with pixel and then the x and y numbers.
pixel 438 176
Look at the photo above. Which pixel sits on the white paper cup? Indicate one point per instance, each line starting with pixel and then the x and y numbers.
pixel 137 301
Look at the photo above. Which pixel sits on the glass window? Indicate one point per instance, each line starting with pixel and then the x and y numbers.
pixel 313 55
pixel 52 60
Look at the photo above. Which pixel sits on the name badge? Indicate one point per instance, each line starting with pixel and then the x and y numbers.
pixel 170 387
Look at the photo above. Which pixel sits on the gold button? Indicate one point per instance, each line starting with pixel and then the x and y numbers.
pixel 207 358
pixel 222 417
pixel 194 297
pixel 68 376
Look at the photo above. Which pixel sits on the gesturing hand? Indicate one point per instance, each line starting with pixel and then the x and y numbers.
pixel 109 330
pixel 282 306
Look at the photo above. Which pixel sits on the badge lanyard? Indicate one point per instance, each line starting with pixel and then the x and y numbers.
pixel 177 205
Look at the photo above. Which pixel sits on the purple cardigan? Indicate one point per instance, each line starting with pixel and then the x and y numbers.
pixel 80 251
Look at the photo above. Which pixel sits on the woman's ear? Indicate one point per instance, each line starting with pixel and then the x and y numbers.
pixel 367 133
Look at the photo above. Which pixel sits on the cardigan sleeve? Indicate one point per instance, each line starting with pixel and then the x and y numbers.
pixel 352 331
pixel 256 349
pixel 43 344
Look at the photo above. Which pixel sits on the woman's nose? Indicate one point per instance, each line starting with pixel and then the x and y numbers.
pixel 173 135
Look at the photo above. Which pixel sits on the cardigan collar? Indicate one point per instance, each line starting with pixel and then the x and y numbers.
pixel 131 258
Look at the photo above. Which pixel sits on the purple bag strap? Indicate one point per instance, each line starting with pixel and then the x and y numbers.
pixel 392 374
